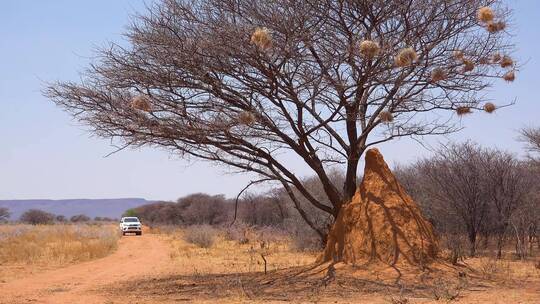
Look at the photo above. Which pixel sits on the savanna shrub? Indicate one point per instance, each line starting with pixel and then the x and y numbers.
pixel 203 236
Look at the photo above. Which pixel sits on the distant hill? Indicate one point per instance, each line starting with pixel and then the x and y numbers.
pixel 112 208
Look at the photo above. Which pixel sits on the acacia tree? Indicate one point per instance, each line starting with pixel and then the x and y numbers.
pixel 256 84
pixel 508 184
pixel 456 177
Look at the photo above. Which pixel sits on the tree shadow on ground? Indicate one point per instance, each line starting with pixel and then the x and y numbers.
pixel 312 283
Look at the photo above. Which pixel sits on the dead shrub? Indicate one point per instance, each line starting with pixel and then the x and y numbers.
pixel 203 236
pixel 456 245
pixel 308 242
pixel 447 290
pixel 491 268
pixel 238 233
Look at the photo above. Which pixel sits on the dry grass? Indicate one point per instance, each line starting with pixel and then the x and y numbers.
pixel 225 255
pixel 232 271
pixel 55 244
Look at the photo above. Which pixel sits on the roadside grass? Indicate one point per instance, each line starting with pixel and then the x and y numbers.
pixel 257 251
pixel 55 244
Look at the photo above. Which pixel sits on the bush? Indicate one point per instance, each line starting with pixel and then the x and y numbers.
pixel 55 244
pixel 79 218
pixel 238 233
pixel 61 219
pixel 37 217
pixel 201 235
pixel 4 214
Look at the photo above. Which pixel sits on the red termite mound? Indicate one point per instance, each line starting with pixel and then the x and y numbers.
pixel 381 223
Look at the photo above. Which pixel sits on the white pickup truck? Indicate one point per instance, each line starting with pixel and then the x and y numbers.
pixel 130 224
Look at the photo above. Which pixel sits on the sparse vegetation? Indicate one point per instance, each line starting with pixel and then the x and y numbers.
pixel 200 235
pixel 55 244
pixel 37 217
pixel 4 214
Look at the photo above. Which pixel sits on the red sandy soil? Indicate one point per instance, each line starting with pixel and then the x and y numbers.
pixel 142 271
pixel 136 257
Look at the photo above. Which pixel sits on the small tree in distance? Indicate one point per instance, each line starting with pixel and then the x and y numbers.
pixel 80 218
pixel 4 214
pixel 256 85
pixel 37 217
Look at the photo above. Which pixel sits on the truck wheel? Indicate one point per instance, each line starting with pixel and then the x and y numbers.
pixel 139 233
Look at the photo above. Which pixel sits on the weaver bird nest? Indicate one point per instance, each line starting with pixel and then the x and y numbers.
pixel 369 49
pixel 509 76
pixel 490 107
pixel 438 74
pixel 386 117
pixel 460 111
pixel 485 14
pixel 506 62
pixel 261 38
pixel 141 103
pixel 406 57
pixel 246 118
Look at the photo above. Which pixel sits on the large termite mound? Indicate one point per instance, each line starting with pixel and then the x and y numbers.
pixel 381 223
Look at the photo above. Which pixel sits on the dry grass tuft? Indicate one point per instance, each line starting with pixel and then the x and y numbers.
pixel 485 14
pixel 141 103
pixel 438 74
pixel 406 57
pixel 226 256
pixel 386 116
pixel 509 76
pixel 494 27
pixel 506 61
pixel 55 244
pixel 460 111
pixel 468 65
pixel 246 118
pixel 261 38
pixel 490 107
pixel 369 49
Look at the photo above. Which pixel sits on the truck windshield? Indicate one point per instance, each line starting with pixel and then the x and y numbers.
pixel 131 220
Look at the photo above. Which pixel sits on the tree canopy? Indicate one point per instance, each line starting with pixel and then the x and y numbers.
pixel 256 84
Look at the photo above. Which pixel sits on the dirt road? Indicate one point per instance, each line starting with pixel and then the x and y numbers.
pixel 136 257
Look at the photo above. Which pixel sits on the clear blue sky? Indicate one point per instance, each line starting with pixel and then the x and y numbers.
pixel 45 154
